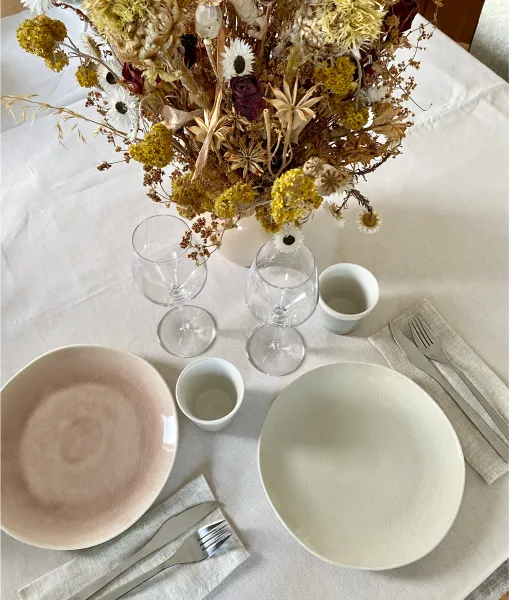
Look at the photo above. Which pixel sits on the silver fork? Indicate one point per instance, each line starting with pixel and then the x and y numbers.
pixel 431 347
pixel 203 544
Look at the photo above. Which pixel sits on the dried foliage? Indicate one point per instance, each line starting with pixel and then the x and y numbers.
pixel 262 106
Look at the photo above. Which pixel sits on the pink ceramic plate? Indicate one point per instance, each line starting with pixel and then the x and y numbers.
pixel 89 437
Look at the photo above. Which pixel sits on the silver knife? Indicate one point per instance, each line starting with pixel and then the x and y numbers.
pixel 417 358
pixel 169 531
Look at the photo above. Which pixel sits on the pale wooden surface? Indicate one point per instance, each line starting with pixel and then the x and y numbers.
pixel 10 7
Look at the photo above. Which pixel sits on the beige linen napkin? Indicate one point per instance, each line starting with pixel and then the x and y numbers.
pixel 184 582
pixel 477 451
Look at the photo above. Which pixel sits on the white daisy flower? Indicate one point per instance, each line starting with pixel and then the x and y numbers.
pixel 122 108
pixel 238 59
pixel 109 75
pixel 38 6
pixel 339 221
pixel 372 95
pixel 288 239
pixel 368 222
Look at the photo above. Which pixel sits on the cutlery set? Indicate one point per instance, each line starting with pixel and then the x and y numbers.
pixel 426 349
pixel 200 546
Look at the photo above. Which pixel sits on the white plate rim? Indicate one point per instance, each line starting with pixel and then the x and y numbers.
pixel 170 468
pixel 457 444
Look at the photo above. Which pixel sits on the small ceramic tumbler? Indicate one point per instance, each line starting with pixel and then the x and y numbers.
pixel 348 293
pixel 209 392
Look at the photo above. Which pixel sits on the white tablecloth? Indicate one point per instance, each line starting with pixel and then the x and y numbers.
pixel 66 280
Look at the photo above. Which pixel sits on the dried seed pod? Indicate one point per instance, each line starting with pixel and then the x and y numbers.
pixel 250 15
pixel 313 166
pixel 209 20
pixel 329 180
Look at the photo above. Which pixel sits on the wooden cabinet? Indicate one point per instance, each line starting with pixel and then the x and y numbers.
pixel 456 18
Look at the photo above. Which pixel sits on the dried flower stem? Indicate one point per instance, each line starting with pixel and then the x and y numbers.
pixel 78 53
pixel 210 54
pixel 9 102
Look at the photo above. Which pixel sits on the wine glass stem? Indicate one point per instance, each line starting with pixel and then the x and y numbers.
pixel 181 312
pixel 277 338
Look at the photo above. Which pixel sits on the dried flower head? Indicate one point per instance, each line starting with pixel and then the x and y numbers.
pixel 313 167
pixel 201 130
pixel 289 239
pixel 41 36
pixel 155 149
pixel 38 6
pixel 372 95
pixel 294 196
pixel 86 76
pixel 330 180
pixel 108 74
pixel 338 77
pixel 346 25
pixel 58 61
pixel 263 215
pixel 353 118
pixel 190 196
pixel 295 114
pixel 122 108
pixel 369 222
pixel 227 204
pixel 238 59
pixel 248 156
pixel 336 214
pixel 90 45
pixel 247 96
pixel 141 31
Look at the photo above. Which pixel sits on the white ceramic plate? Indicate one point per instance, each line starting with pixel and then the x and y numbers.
pixel 89 437
pixel 361 466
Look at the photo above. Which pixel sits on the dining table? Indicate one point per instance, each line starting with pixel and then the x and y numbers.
pixel 66 279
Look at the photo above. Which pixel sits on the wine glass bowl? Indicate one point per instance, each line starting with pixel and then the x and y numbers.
pixel 166 276
pixel 282 293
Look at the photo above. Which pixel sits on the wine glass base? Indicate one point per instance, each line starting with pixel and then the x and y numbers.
pixel 275 350
pixel 186 331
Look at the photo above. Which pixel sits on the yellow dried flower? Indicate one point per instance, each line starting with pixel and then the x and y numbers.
pixel 352 118
pixel 337 78
pixel 86 76
pixel 263 215
pixel 227 204
pixel 115 16
pixel 294 195
pixel 156 149
pixel 190 196
pixel 40 35
pixel 58 61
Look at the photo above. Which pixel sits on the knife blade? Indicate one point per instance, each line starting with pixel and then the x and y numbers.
pixel 417 358
pixel 169 531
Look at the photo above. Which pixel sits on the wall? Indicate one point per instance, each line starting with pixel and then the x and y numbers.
pixel 491 39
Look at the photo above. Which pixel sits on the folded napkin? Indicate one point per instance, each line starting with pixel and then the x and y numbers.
pixel 477 451
pixel 184 582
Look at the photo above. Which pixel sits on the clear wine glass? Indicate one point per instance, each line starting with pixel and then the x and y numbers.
pixel 282 293
pixel 166 276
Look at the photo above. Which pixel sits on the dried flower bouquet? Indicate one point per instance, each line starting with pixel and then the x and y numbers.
pixel 240 107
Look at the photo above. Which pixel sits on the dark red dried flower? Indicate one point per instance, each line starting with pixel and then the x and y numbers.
pixel 189 42
pixel 247 96
pixel 405 10
pixel 133 77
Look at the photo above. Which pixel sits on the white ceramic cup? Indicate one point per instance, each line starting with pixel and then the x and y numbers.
pixel 348 293
pixel 209 392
